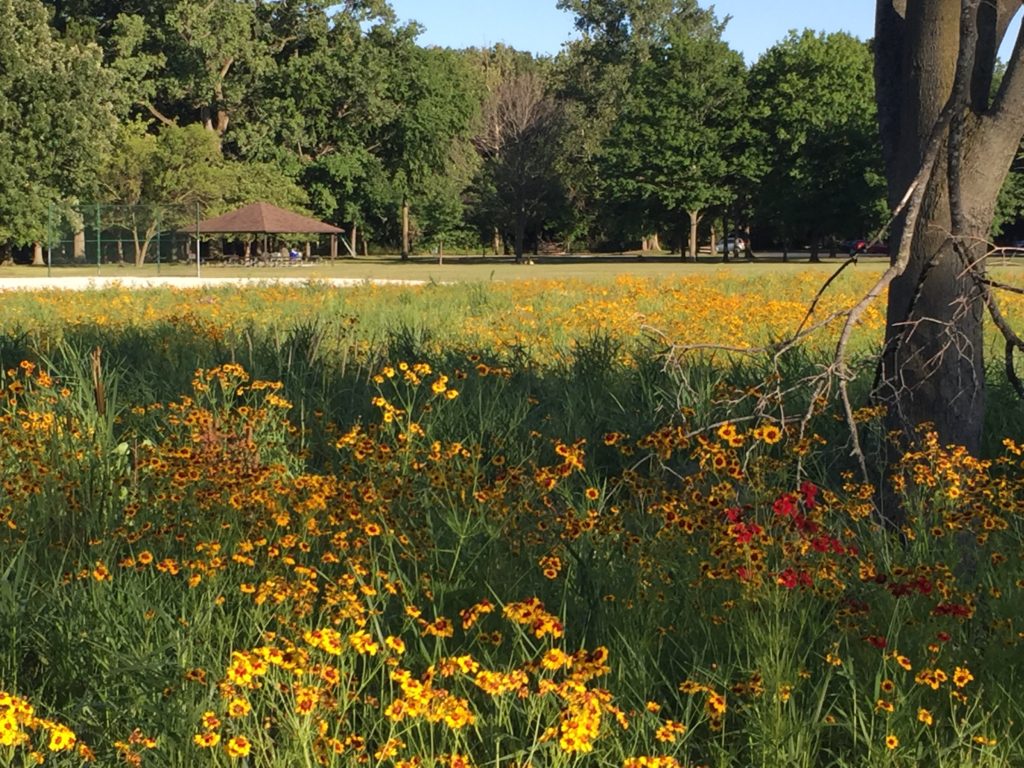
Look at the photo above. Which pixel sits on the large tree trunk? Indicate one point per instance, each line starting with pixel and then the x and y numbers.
pixel 37 255
pixel 520 238
pixel 932 366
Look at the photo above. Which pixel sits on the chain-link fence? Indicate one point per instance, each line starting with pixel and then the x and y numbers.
pixel 124 235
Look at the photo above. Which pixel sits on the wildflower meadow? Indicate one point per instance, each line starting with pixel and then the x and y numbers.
pixel 521 524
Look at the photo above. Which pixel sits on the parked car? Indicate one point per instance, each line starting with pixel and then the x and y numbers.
pixel 861 245
pixel 735 243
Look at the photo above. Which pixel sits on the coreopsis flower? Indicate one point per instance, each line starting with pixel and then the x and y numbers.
pixel 61 739
pixel 363 643
pixel 206 740
pixel 669 731
pixel 962 676
pixel 238 746
pixel 239 707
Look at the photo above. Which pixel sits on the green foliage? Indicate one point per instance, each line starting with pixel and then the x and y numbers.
pixel 55 120
pixel 814 111
pixel 645 120
pixel 161 180
pixel 676 144
pixel 518 188
pixel 161 522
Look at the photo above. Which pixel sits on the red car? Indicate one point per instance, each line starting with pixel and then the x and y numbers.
pixel 860 245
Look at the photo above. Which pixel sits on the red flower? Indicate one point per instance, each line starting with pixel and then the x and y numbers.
pixel 785 505
pixel 810 493
pixel 788 579
pixel 745 532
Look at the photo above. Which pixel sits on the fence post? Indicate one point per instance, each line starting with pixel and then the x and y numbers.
pixel 99 239
pixel 49 240
pixel 199 248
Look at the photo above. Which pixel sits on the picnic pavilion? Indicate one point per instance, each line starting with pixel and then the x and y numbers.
pixel 262 220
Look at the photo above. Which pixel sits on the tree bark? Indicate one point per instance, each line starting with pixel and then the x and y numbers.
pixel 520 238
pixel 405 229
pixel 695 217
pixel 78 246
pixel 932 367
pixel 37 255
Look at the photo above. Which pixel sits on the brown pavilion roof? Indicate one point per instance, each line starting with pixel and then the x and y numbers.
pixel 264 218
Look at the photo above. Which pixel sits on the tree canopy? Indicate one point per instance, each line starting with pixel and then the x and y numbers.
pixel 646 129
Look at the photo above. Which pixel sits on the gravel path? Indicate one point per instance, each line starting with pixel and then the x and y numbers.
pixel 95 283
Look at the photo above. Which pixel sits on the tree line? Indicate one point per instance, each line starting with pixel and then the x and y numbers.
pixel 647 132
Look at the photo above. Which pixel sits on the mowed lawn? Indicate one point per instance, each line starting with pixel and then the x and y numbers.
pixel 456 268
pixel 485 268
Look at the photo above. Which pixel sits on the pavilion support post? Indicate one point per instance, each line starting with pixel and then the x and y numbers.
pixel 199 246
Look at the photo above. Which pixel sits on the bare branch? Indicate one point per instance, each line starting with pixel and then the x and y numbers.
pixel 158 114
pixel 1009 102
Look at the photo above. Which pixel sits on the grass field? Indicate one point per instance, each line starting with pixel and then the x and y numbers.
pixel 490 523
pixel 454 269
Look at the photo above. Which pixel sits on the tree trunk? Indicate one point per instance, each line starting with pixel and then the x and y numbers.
pixel 714 241
pixel 78 246
pixel 496 242
pixel 694 224
pixel 37 255
pixel 932 365
pixel 520 238
pixel 405 229
pixel 815 250
pixel 654 242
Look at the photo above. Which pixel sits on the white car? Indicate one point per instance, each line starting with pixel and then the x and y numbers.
pixel 731 245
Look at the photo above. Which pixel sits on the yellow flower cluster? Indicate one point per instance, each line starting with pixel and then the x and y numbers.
pixel 21 727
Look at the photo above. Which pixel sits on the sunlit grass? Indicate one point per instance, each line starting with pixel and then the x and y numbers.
pixel 483 524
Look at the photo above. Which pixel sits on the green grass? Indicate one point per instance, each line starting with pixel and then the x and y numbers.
pixel 476 268
pixel 458 268
pixel 169 522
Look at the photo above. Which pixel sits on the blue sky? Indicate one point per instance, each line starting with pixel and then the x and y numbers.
pixel 538 26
